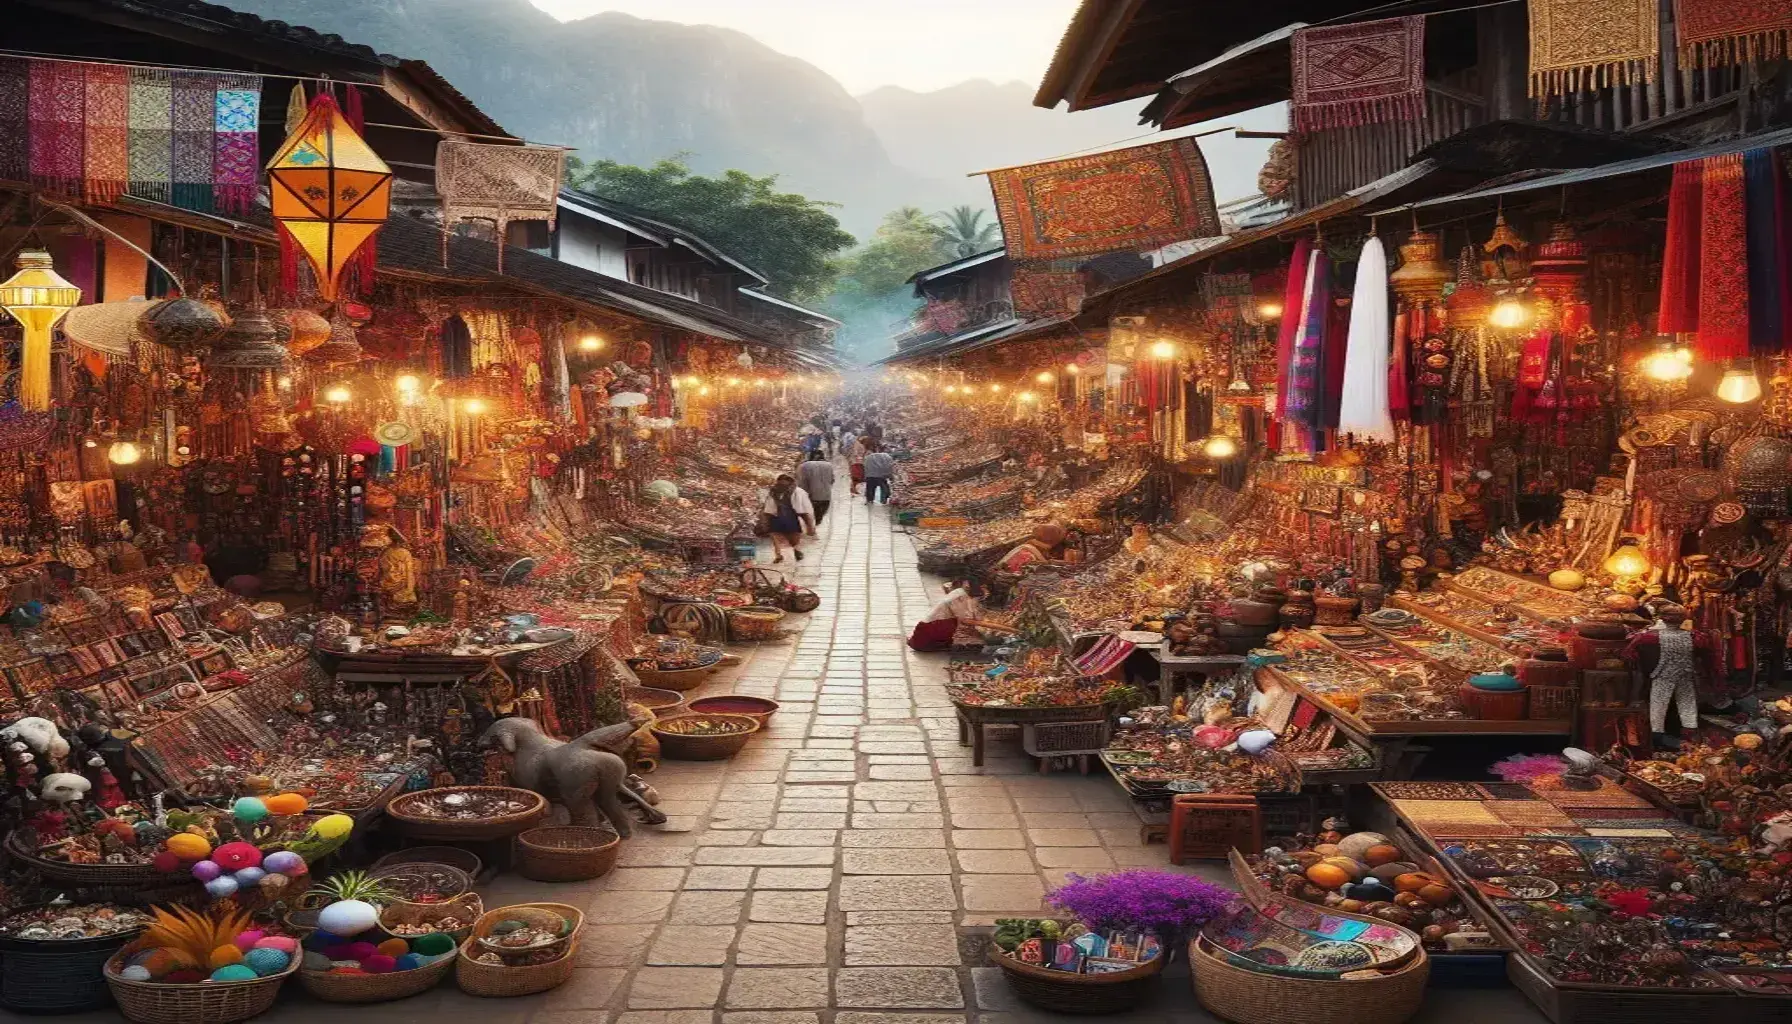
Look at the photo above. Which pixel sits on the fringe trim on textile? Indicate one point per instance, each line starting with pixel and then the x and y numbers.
pixel 237 199
pixel 1588 77
pixel 1749 48
pixel 1352 113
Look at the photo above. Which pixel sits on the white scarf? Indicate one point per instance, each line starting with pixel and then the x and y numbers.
pixel 1364 408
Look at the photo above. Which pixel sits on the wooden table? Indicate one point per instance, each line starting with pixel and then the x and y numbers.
pixel 1169 666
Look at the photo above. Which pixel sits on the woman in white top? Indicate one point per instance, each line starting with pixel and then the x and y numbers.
pixel 787 515
pixel 959 607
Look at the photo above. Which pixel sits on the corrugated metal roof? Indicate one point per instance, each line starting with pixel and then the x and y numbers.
pixel 961 263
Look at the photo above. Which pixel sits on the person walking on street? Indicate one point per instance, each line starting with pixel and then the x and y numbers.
pixel 879 467
pixel 787 515
pixel 855 460
pixel 816 477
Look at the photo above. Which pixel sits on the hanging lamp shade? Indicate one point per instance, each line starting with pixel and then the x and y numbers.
pixel 1422 272
pixel 343 346
pixel 250 343
pixel 330 191
pixel 304 329
pixel 37 297
pixel 182 323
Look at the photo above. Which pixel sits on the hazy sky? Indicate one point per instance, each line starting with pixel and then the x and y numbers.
pixel 918 44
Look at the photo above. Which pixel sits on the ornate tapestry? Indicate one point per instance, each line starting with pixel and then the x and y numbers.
pixel 497 183
pixel 1134 199
pixel 1592 44
pixel 1041 288
pixel 1713 32
pixel 1359 73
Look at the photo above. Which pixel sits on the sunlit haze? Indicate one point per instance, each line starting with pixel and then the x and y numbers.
pixel 917 44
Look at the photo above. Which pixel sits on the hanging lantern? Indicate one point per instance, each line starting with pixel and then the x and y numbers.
pixel 1739 387
pixel 302 330
pixel 1422 270
pixel 37 297
pixel 1506 261
pixel 182 323
pixel 343 346
pixel 250 343
pixel 330 191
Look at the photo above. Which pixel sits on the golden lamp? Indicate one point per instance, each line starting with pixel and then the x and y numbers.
pixel 1739 387
pixel 330 191
pixel 1667 364
pixel 1627 561
pixel 1219 446
pixel 37 297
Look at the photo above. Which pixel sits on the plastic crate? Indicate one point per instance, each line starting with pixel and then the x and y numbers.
pixel 1060 739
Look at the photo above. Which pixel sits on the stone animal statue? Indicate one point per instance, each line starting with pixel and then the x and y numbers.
pixel 585 774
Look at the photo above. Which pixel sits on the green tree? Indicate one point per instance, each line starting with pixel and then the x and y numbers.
pixel 963 232
pixel 789 238
pixel 872 293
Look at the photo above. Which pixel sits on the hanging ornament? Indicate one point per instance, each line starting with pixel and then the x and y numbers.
pixel 182 323
pixel 343 346
pixel 250 343
pixel 37 297
pixel 300 330
pixel 330 193
pixel 1505 250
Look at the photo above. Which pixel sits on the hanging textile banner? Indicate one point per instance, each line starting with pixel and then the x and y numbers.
pixel 1042 288
pixel 1714 32
pixel 1133 199
pixel 1591 44
pixel 96 130
pixel 1359 73
pixel 497 183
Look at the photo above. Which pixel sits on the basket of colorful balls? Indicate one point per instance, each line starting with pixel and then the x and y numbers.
pixel 256 854
pixel 200 967
pixel 351 958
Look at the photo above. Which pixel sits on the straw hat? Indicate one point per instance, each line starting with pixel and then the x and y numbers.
pixel 106 327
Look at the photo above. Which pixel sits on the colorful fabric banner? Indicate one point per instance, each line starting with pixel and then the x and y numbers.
pixel 151 135
pixel 1678 310
pixel 1723 265
pixel 1359 73
pixel 15 119
pixel 236 142
pixel 1714 32
pixel 1592 44
pixel 1769 253
pixel 107 155
pixel 1133 199
pixel 58 124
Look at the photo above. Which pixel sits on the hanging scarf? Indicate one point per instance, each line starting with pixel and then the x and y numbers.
pixel 1767 291
pixel 236 143
pixel 1292 295
pixel 1679 307
pixel 107 147
pixel 58 107
pixel 193 119
pixel 1306 373
pixel 1399 384
pixel 150 135
pixel 1723 262
pixel 1331 365
pixel 1364 408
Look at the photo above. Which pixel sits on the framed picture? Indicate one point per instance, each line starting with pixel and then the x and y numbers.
pixel 1321 499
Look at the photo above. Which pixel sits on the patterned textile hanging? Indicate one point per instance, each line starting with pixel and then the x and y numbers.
pixel 1679 304
pixel 1292 295
pixel 1592 44
pixel 1723 263
pixel 1304 405
pixel 497 183
pixel 1769 296
pixel 1364 411
pixel 1359 73
pixel 1714 32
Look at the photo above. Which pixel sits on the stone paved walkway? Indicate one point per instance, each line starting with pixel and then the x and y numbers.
pixel 829 873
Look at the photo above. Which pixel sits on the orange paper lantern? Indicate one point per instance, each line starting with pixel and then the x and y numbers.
pixel 330 191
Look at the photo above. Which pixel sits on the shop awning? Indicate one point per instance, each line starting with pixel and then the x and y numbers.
pixel 1581 175
pixel 950 343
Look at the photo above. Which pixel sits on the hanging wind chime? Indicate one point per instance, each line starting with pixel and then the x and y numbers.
pixel 331 194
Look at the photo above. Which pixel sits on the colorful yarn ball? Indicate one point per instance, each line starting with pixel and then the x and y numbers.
pixel 283 943
pixel 323 938
pixel 188 846
pixel 234 972
pixel 272 884
pixel 265 962
pixel 339 951
pixel 409 962
pixel 206 870
pixel 287 803
pixel 167 862
pixel 394 947
pixel 362 950
pixel 135 973
pixel 249 877
pixel 284 862
pixel 224 956
pixel 334 826
pixel 315 961
pixel 249 939
pixel 189 975
pixel 433 944
pixel 249 809
pixel 379 963
pixel 236 856
pixel 222 886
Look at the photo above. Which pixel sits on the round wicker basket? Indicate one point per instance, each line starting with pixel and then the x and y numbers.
pixel 539 914
pixel 663 703
pixel 453 856
pixel 424 826
pixel 687 746
pixel 24 853
pixel 1254 997
pixel 565 853
pixel 495 981
pixel 679 679
pixel 759 709
pixel 211 1002
pixel 1062 992
pixel 754 623
pixel 466 909
pixel 377 988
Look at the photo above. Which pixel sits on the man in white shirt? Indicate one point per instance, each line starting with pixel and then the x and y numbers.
pixel 787 514
pixel 879 467
pixel 816 478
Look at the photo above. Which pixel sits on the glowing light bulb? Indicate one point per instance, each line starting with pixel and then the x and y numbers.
pixel 475 406
pixel 1163 350
pixel 1028 396
pixel 1628 561
pixel 1045 377
pixel 1666 365
pixel 1509 314
pixel 408 383
pixel 338 395
pixel 285 383
pixel 1269 311
pixel 760 382
pixel 591 343
pixel 734 382
pixel 1739 386
pixel 995 389
pixel 1219 446
pixel 1072 369
pixel 124 453
pixel 704 390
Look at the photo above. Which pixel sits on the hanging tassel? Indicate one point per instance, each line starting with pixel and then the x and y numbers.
pixel 289 264
pixel 1363 410
pixel 295 107
pixel 34 372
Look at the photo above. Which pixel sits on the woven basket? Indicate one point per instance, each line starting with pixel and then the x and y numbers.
pixel 565 853
pixel 680 746
pixel 1252 997
pixel 408 879
pixel 662 702
pixel 496 982
pixel 759 709
pixel 23 852
pixel 479 940
pixel 212 1002
pixel 468 908
pixel 1063 992
pixel 1334 611
pixel 430 827
pixel 678 679
pixel 57 976
pixel 376 988
pixel 753 623
pixel 453 856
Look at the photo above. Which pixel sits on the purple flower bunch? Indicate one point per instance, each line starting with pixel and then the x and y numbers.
pixel 1171 905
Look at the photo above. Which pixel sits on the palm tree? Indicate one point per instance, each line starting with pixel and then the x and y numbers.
pixel 962 231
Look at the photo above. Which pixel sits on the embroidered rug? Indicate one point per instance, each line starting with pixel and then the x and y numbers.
pixel 1723 262
pixel 1715 32
pixel 1359 73
pixel 497 183
pixel 1134 199
pixel 1591 44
